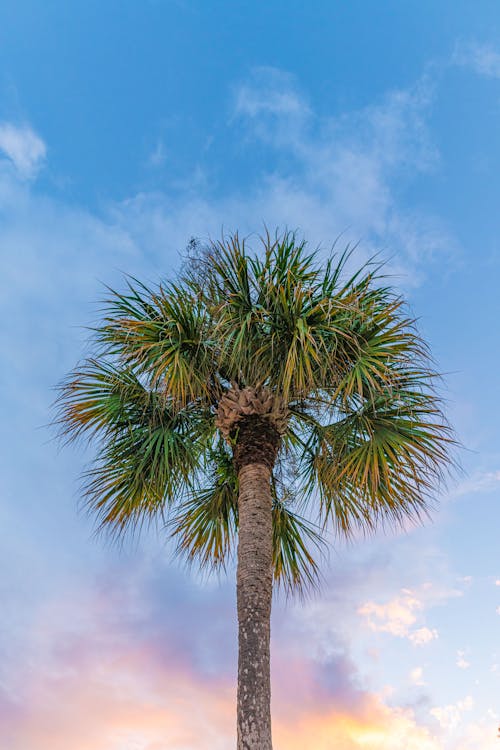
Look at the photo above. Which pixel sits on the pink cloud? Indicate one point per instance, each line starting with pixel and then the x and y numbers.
pixel 123 700
pixel 100 677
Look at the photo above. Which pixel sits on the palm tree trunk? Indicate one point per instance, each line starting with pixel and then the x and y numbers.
pixel 254 594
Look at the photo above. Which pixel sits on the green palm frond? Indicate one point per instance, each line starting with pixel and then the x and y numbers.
pixel 141 471
pixel 98 398
pixel 297 545
pixel 149 451
pixel 380 462
pixel 164 334
pixel 205 524
pixel 272 315
pixel 384 340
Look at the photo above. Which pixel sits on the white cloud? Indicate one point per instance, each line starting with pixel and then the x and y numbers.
pixel 158 156
pixel 343 177
pixel 481 58
pixel 450 716
pixel 480 481
pixel 394 617
pixel 479 735
pixel 398 616
pixel 23 147
pixel 416 676
pixel 422 636
pixel 461 661
pixel 270 91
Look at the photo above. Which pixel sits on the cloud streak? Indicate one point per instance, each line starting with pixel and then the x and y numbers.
pixel 480 481
pixel 23 147
pixel 483 59
pixel 343 176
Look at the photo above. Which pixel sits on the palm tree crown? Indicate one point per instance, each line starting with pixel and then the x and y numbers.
pixel 323 372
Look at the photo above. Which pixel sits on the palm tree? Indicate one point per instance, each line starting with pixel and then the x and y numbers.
pixel 253 382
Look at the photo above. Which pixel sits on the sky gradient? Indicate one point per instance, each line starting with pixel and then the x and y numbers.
pixel 126 129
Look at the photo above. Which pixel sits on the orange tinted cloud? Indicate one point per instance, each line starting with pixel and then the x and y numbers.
pixel 380 728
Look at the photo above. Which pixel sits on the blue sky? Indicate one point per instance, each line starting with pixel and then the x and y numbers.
pixel 127 128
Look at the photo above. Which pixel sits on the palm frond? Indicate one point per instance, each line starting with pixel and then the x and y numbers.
pixel 274 316
pixel 148 451
pixel 380 462
pixel 205 524
pixel 164 335
pixel 297 545
pixel 98 398
pixel 141 471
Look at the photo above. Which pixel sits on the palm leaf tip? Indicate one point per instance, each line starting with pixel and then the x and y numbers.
pixel 204 527
pixel 297 545
pixel 149 450
pixel 383 461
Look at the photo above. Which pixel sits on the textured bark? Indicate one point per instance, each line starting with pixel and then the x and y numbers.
pixel 253 420
pixel 257 442
pixel 254 594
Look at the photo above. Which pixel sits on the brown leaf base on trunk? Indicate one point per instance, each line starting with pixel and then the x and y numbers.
pixel 237 404
pixel 257 442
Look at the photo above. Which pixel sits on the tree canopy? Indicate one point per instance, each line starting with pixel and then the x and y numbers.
pixel 337 355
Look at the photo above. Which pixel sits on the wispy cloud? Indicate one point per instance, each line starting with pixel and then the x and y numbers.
pixel 417 676
pixel 23 147
pixel 483 59
pixel 158 155
pixel 270 91
pixel 461 661
pixel 344 171
pixel 339 176
pixel 480 481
